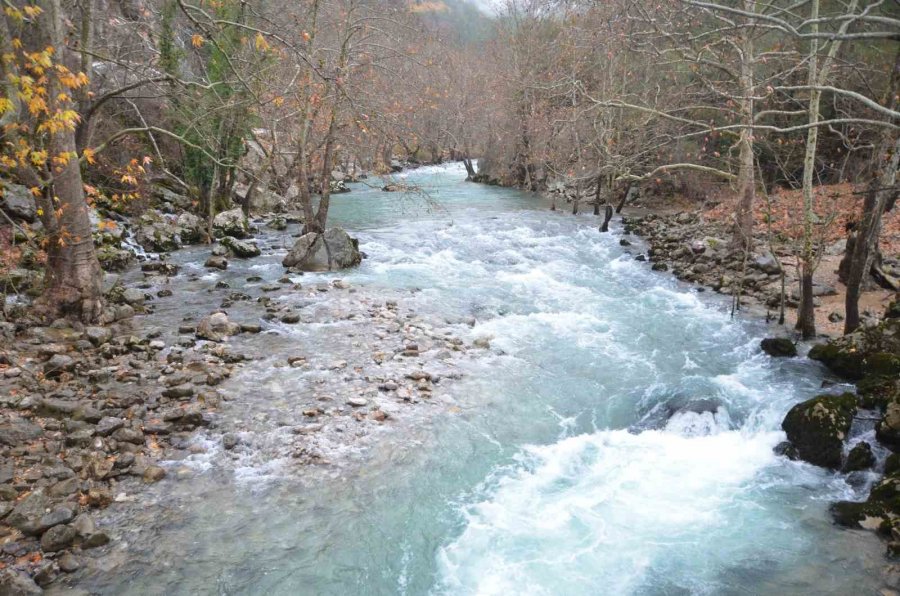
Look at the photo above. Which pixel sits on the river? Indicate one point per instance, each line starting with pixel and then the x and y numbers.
pixel 616 438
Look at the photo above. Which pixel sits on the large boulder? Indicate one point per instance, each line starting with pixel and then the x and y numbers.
pixel 158 232
pixel 239 248
pixel 778 347
pixel 767 263
pixel 330 251
pixel 231 223
pixel 18 202
pixel 888 429
pixel 818 427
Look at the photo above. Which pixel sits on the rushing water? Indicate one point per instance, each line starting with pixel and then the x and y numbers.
pixel 616 440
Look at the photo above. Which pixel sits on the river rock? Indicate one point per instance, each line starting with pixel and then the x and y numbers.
pixel 216 262
pixel 819 426
pixel 859 458
pixel 98 335
pixel 13 583
pixel 133 296
pixel 60 515
pixel 27 514
pixel 153 474
pixel 767 263
pixel 17 201
pixel 58 538
pixel 231 223
pixel 239 248
pixel 18 432
pixel 330 251
pixel 778 347
pixel 217 327
pixel 888 429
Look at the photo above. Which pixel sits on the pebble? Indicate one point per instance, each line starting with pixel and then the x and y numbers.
pixel 357 402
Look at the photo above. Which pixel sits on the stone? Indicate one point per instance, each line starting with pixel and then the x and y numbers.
pixel 14 583
pixel 17 201
pixel 859 458
pixel 133 297
pixel 767 263
pixel 778 347
pixel 240 248
pixel 330 251
pixel 98 335
pixel 818 427
pixel 357 402
pixel 59 515
pixel 231 223
pixel 153 474
pixel 230 441
pixel 216 262
pixel 108 425
pixel 216 327
pixel 58 538
pixel 18 432
pixel 58 364
pixel 69 563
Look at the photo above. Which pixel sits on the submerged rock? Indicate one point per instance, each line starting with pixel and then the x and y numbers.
pixel 818 427
pixel 330 251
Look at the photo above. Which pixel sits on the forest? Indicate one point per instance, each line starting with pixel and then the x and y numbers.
pixel 509 260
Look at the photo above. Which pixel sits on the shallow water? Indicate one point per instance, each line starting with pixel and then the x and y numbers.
pixel 616 439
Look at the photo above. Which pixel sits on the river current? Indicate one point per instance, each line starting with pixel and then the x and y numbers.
pixel 615 439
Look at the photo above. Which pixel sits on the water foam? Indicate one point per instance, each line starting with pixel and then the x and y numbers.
pixel 598 511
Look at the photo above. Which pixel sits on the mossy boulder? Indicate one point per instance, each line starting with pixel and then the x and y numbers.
pixel 778 347
pixel 869 351
pixel 818 427
pixel 888 429
pixel 880 511
pixel 842 361
pixel 878 391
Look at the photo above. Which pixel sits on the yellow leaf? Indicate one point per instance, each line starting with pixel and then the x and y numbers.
pixel 196 40
pixel 261 43
pixel 89 156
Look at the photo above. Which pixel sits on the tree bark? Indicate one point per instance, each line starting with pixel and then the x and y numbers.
pixel 607 216
pixel 742 231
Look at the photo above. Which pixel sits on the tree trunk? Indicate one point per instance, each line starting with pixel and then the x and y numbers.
pixel 470 169
pixel 742 231
pixel 806 318
pixel 625 196
pixel 607 216
pixel 861 253
pixel 73 277
pixel 597 195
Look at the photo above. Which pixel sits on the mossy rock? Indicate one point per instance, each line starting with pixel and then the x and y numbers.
pixel 844 362
pixel 853 514
pixel 878 391
pixel 893 310
pixel 883 364
pixel 818 427
pixel 778 347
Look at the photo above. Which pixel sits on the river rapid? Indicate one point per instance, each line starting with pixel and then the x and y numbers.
pixel 616 438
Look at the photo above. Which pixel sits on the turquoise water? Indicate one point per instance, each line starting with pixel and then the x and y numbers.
pixel 616 439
